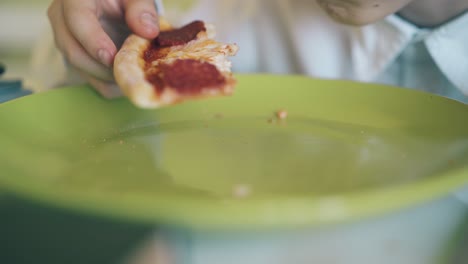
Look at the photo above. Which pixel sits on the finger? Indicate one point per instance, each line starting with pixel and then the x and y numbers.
pixel 142 18
pixel 74 53
pixel 83 23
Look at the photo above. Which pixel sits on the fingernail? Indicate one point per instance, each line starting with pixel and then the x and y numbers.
pixel 105 57
pixel 149 20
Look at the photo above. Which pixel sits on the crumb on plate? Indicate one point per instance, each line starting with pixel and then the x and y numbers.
pixel 218 116
pixel 281 114
pixel 241 190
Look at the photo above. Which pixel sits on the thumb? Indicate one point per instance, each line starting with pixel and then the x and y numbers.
pixel 142 18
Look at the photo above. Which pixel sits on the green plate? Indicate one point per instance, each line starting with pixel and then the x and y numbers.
pixel 345 151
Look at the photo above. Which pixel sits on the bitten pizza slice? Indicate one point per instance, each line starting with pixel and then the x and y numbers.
pixel 180 64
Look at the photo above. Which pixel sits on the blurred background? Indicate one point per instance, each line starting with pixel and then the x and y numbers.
pixel 22 22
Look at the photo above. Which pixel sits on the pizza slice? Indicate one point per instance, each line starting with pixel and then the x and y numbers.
pixel 180 64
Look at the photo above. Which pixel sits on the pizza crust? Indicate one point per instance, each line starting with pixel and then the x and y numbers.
pixel 129 67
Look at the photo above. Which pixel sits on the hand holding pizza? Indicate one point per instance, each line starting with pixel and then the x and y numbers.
pixel 89 33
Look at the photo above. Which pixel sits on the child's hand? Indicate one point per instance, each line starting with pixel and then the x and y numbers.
pixel 89 32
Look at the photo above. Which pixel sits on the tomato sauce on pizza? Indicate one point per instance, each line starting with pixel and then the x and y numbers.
pixel 179 36
pixel 188 76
